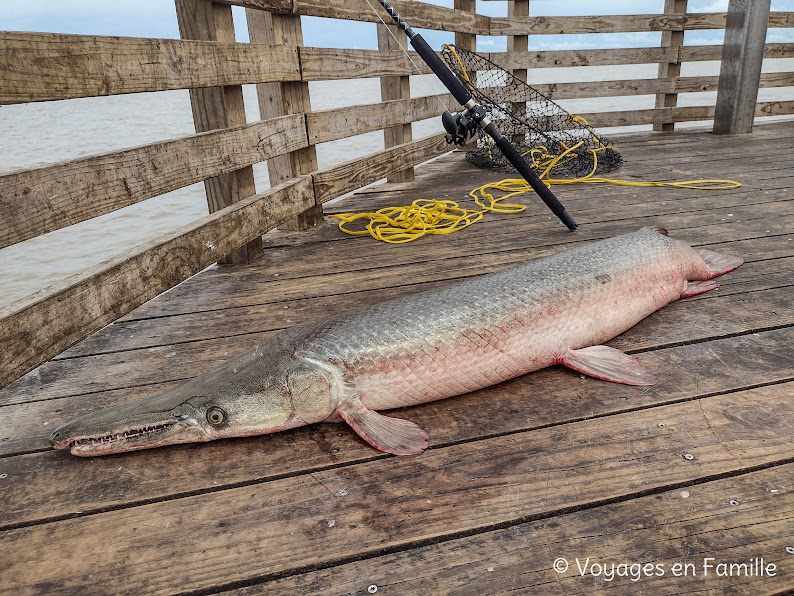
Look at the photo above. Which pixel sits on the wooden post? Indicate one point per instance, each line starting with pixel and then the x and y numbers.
pixel 218 107
pixel 740 70
pixel 670 70
pixel 398 87
pixel 518 44
pixel 467 41
pixel 282 99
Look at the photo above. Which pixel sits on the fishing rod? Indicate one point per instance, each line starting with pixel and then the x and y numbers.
pixel 462 125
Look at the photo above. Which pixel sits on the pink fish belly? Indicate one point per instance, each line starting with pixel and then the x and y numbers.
pixel 529 339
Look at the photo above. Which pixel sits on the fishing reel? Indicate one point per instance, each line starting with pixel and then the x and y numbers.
pixel 461 126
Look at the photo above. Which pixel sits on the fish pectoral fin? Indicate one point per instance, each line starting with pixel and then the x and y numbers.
pixel 718 262
pixel 609 364
pixel 392 435
pixel 693 288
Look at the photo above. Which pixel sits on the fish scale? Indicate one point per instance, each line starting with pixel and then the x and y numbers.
pixel 431 345
pixel 532 313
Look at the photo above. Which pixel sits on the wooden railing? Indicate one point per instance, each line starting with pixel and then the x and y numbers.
pixel 209 62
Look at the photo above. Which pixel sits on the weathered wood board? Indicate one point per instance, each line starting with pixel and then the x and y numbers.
pixel 696 470
pixel 42 66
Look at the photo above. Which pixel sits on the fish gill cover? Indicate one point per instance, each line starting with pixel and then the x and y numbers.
pixel 553 141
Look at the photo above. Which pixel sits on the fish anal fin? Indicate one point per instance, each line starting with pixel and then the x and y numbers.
pixel 392 435
pixel 609 364
pixel 693 288
pixel 718 262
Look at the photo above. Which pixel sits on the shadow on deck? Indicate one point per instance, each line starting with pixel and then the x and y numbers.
pixel 546 466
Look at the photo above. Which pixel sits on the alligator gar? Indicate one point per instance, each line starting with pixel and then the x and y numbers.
pixel 428 346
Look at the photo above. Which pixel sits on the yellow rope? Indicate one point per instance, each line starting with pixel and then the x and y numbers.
pixel 397 225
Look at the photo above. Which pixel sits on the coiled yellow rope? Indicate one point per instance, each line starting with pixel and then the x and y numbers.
pixel 397 225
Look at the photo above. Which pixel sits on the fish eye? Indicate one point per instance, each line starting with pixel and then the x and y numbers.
pixel 215 415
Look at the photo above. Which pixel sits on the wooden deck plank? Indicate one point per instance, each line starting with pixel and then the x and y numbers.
pixel 662 529
pixel 659 201
pixel 710 317
pixel 497 232
pixel 699 228
pixel 578 198
pixel 188 327
pixel 548 464
pixel 40 486
pixel 116 367
pixel 395 502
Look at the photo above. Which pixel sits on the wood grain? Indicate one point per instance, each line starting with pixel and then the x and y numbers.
pixel 48 198
pixel 38 327
pixel 328 64
pixel 664 529
pixel 608 57
pixel 481 485
pixel 338 180
pixel 250 291
pixel 605 23
pixel 395 88
pixel 740 67
pixel 327 125
pixel 671 70
pixel 417 14
pixel 602 57
pixel 277 99
pixel 49 66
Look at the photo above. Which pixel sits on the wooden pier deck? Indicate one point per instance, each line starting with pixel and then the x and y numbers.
pixel 547 469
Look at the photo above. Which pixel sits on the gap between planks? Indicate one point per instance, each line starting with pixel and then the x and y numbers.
pixel 45 480
pixel 643 451
pixel 16 387
pixel 497 562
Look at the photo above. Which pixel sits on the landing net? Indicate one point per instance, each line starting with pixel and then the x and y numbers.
pixel 554 142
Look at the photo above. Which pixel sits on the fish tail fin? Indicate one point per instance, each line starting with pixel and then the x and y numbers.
pixel 718 263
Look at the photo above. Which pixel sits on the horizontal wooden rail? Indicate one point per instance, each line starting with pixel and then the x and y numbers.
pixel 331 125
pixel 701 84
pixel 779 19
pixel 325 64
pixel 429 16
pixel 37 201
pixel 774 108
pixel 676 114
pixel 43 66
pixel 592 57
pixel 605 24
pixel 48 66
pixel 343 178
pixel 557 91
pixel 47 322
pixel 629 87
pixel 418 14
pixel 611 57
pixel 702 53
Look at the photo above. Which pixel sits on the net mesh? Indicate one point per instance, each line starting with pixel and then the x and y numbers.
pixel 555 143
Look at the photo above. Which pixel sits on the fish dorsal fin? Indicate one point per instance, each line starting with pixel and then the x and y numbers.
pixel 392 435
pixel 608 364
